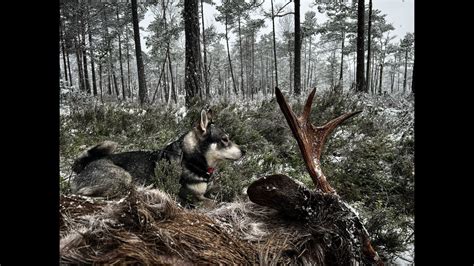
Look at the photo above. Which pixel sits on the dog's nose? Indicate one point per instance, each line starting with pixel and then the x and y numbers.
pixel 243 152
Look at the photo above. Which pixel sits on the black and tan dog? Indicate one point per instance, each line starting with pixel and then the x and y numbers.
pixel 103 173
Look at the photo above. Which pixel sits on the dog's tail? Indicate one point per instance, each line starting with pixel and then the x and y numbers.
pixel 96 152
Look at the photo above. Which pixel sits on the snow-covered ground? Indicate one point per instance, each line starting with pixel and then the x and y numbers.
pixel 407 257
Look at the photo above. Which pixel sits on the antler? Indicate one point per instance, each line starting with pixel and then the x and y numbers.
pixel 310 138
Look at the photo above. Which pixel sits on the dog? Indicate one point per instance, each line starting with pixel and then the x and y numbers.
pixel 103 173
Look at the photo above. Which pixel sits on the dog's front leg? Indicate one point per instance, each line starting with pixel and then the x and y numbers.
pixel 193 194
pixel 211 188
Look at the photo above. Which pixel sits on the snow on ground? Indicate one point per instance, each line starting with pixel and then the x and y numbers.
pixel 406 258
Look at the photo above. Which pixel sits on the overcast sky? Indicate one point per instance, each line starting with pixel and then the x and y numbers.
pixel 399 12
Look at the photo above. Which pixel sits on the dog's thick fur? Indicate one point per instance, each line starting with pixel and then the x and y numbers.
pixel 103 173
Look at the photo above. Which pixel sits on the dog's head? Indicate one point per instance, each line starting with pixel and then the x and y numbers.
pixel 211 141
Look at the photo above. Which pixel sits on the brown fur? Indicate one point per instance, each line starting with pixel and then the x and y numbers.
pixel 149 227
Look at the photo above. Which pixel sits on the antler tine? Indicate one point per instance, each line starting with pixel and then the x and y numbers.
pixel 310 138
pixel 286 109
pixel 329 127
pixel 307 107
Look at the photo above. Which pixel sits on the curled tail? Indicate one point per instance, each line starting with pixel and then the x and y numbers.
pixel 96 152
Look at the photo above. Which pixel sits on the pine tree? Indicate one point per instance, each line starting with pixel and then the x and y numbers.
pixel 193 67
pixel 142 90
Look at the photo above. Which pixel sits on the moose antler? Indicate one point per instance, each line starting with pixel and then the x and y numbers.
pixel 283 194
pixel 311 138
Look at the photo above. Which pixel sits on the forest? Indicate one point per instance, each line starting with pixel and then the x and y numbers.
pixel 99 56
pixel 143 87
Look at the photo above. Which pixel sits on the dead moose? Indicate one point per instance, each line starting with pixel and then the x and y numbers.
pixel 283 223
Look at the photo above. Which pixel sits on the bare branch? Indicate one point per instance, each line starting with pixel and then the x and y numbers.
pixel 281 8
pixel 284 14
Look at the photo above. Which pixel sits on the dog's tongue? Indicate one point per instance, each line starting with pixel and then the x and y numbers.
pixel 210 170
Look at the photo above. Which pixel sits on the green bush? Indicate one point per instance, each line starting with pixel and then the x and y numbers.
pixel 167 176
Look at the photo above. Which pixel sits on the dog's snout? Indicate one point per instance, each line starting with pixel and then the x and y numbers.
pixel 243 152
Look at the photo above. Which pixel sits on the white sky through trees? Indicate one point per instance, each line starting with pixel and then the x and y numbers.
pixel 400 13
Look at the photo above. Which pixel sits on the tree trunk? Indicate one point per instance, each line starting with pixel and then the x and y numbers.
pixel 209 75
pixel 142 91
pixel 111 71
pixel 305 47
pixel 63 48
pixel 206 81
pixel 274 46
pixel 84 51
pixel 375 76
pixel 342 59
pixel 297 68
pixel 405 73
pixel 291 64
pixel 193 53
pixel 94 79
pixel 369 46
pixel 79 65
pixel 228 56
pixel 168 53
pixel 272 76
pixel 219 79
pixel 107 52
pixel 413 77
pixel 262 81
pixel 117 92
pixel 398 73
pixel 69 68
pixel 166 87
pixel 309 64
pixel 360 84
pixel 248 71
pixel 241 61
pixel 173 89
pixel 266 78
pixel 333 63
pixel 159 79
pixel 380 79
pixel 392 81
pixel 91 51
pixel 119 33
pixel 100 80
pixel 109 83
pixel 226 89
pixel 176 81
pixel 372 78
pixel 157 92
pixel 354 67
pixel 128 66
pixel 252 73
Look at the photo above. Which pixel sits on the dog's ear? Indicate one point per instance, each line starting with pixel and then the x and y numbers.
pixel 203 122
